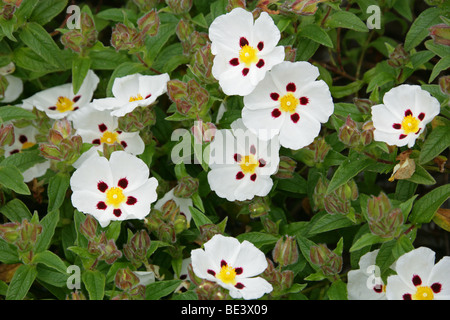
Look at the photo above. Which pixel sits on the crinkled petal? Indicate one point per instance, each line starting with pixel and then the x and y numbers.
pixel 90 173
pixel 145 195
pixel 359 286
pixel 86 202
pixel 396 288
pixel 125 165
pixel 251 259
pixel 254 288
pixel 300 134
pixel 266 31
pixel 440 274
pixel 300 73
pixel 320 104
pixel 13 90
pixel 418 262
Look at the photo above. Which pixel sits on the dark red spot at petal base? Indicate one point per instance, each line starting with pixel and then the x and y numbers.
pixel 304 101
pixel 239 286
pixel 96 141
pixel 117 212
pixel 76 98
pixel 102 127
pixel 102 186
pixel 436 287
pixel 245 71
pixel 421 116
pixel 75 109
pixel 253 177
pixel 52 108
pixel 123 183
pixel 295 117
pixel 260 45
pixel 23 138
pixel 237 157
pixel 223 263
pixel 260 63
pixel 416 280
pixel 274 96
pixel 291 87
pixel 243 42
pixel 378 288
pixel 418 131
pixel 124 144
pixel 253 149
pixel 276 113
pixel 397 126
pixel 131 200
pixel 402 136
pixel 238 270
pixel 407 296
pixel 262 163
pixel 234 62
pixel 14 151
pixel 239 175
pixel 211 272
pixel 101 205
pixel 408 113
pixel 148 96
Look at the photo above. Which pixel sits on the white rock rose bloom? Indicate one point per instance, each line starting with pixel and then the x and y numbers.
pixel 60 101
pixel 289 102
pixel 419 278
pixel 13 90
pixel 25 138
pixel 233 265
pixel 244 50
pixel 402 117
pixel 114 189
pixel 99 127
pixel 182 203
pixel 132 91
pixel 365 283
pixel 241 164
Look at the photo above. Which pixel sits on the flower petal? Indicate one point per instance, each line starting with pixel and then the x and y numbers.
pixel 251 259
pixel 125 165
pixel 300 134
pixel 419 262
pixel 254 288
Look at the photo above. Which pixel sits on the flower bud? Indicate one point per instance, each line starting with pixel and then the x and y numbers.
pixel 398 57
pixel 440 34
pixel 6 135
pixel 125 279
pixel 186 187
pixel 89 227
pixel 301 7
pixel 363 105
pixel 290 53
pixel 203 131
pixel 166 233
pixel 383 220
pixel 180 6
pixel 64 127
pixel 258 207
pixel 232 4
pixel 184 30
pixel 269 226
pixel 319 193
pixel 149 23
pixel 76 295
pixel 137 247
pixel 328 261
pixel 170 210
pixel 320 148
pixel 444 84
pixel 286 168
pixel 126 38
pixel 10 231
pixel 285 251
pixel 208 290
pixel 201 64
pixel 146 5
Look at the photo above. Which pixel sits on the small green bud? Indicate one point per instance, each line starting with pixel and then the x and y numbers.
pixel 285 251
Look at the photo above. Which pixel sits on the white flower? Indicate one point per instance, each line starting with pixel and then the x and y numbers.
pixel 419 278
pixel 145 277
pixel 99 127
pixel 241 164
pixel 13 90
pixel 289 102
pixel 244 50
pixel 114 189
pixel 25 138
pixel 182 203
pixel 60 101
pixel 233 265
pixel 133 91
pixel 407 109
pixel 366 283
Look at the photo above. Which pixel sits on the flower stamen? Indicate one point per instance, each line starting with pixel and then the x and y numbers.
pixel 64 104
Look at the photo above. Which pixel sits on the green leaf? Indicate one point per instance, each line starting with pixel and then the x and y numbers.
pixel 346 19
pixel 422 176
pixel 8 253
pixel 21 282
pixel 365 240
pixel 94 281
pixel 57 188
pixel 8 113
pixel 156 43
pixel 80 68
pixel 419 28
pixel 160 289
pixel 317 34
pixel 437 141
pixel 47 10
pixel 337 290
pixel 51 260
pixel 259 239
pixel 354 164
pixel 296 184
pixel 425 208
pixel 49 223
pixel 16 210
pixel 329 222
pixel 343 91
pixel 38 40
pixel 11 178
pixel 199 217
pixel 442 65
pixel 23 160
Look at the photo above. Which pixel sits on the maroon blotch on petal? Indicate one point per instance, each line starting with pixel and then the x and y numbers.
pixel 234 62
pixel 274 96
pixel 245 71
pixel 253 149
pixel 407 296
pixel 243 42
pixel 101 205
pixel 102 127
pixel 260 45
pixel 239 286
pixel 237 157
pixel 123 183
pixel 223 263
pixel 211 272
pixel 131 200
pixel 239 175
pixel 276 113
pixel 76 98
pixel 262 163
pixel 102 186
pixel 238 270
pixel 117 212
pixel 96 141
pixel 124 144
pixel 304 101
pixel 23 138
pixel 253 177
pixel 408 113
pixel 291 87
pixel 260 63
pixel 436 287
pixel 402 136
pixel 416 280
pixel 397 126
pixel 295 117
pixel 421 116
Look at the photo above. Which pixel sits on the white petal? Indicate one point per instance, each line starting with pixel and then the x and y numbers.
pixel 389 138
pixel 223 182
pixel 265 30
pixel 125 165
pixel 145 277
pixel 427 104
pixel 396 288
pixel 231 80
pixel 222 149
pixel 252 260
pixel 383 119
pixel 254 288
pixel 126 86
pixel 86 202
pixel 220 248
pixel 440 274
pixel 401 98
pixel 108 103
pixel 419 262
pixel 201 263
pixel 90 173
pixel 145 196
pixel 90 118
pixel 36 171
pixel 135 144
pixel 260 98
pixel 320 104
pixel 300 134
pixel 13 90
pixel 357 287
pixel 301 73
pixel 87 89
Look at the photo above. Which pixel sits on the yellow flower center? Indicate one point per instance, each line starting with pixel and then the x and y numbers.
pixel 64 104
pixel 114 197
pixel 410 124
pixel 288 103
pixel 423 293
pixel 109 137
pixel 248 55
pixel 227 275
pixel 136 98
pixel 27 145
pixel 249 164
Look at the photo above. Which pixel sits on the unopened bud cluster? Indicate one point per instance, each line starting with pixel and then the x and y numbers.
pixel 338 201
pixel 328 261
pixel 78 40
pixel 384 220
pixel 356 135
pixel 190 98
pixel 285 251
pixel 280 280
pixel 128 282
pixel 137 248
pixel 166 223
